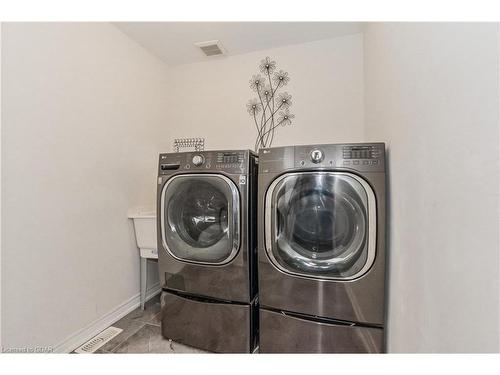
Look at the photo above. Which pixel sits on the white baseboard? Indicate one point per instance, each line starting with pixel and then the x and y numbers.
pixel 78 338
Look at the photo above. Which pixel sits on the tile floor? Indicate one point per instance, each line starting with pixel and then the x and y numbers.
pixel 141 334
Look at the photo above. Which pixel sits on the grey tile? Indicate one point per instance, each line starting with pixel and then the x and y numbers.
pixel 151 313
pixel 134 321
pixel 100 351
pixel 129 328
pixel 149 340
pixel 142 333
pixel 180 348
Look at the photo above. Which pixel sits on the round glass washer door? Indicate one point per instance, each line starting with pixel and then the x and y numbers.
pixel 321 225
pixel 200 218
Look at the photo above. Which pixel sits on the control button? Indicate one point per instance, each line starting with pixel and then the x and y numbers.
pixel 365 162
pixel 355 162
pixel 187 166
pixel 207 166
pixel 302 162
pixel 198 160
pixel 347 162
pixel 317 156
pixel 374 162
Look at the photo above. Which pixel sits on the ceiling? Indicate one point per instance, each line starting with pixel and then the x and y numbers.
pixel 173 42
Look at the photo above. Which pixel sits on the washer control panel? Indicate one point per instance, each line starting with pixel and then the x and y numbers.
pixel 198 161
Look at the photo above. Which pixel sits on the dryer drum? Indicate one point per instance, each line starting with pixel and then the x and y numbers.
pixel 321 224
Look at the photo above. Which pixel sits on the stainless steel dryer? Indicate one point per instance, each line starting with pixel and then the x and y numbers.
pixel 322 248
pixel 207 249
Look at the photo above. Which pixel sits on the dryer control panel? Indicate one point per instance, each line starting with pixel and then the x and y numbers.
pixel 364 157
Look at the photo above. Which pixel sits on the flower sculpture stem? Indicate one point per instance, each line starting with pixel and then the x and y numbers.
pixel 273 105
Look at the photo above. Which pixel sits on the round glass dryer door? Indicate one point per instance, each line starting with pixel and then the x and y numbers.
pixel 200 218
pixel 321 225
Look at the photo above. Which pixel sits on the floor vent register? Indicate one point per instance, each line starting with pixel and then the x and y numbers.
pixel 97 341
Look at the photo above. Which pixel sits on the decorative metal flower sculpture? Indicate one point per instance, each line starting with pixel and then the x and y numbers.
pixel 254 107
pixel 267 65
pixel 270 109
pixel 285 118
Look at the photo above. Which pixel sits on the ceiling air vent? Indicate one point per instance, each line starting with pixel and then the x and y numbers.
pixel 211 48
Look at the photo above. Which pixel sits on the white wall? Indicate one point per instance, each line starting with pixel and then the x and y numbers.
pixel 432 93
pixel 82 117
pixel 209 99
pixel 0 188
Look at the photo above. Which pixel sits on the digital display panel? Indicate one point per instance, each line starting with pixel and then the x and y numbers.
pixel 358 152
pixel 229 158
